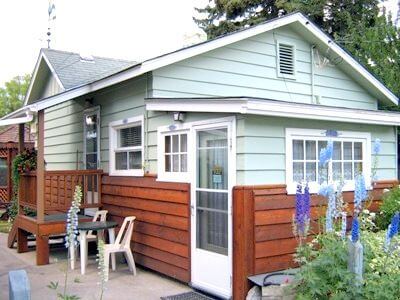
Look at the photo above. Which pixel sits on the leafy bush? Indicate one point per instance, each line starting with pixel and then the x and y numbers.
pixel 324 275
pixel 389 206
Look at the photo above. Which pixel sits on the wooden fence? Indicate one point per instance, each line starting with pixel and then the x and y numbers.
pixel 162 228
pixel 262 229
pixel 59 189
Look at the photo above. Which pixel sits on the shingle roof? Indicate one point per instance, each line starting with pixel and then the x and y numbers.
pixel 10 134
pixel 74 71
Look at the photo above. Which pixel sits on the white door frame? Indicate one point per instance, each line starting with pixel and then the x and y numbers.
pixel 88 112
pixel 230 124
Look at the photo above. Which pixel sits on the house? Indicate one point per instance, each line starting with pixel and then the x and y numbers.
pixel 8 150
pixel 205 145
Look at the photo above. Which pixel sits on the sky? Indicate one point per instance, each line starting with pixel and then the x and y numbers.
pixel 128 29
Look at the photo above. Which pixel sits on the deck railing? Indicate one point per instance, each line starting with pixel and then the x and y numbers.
pixel 59 189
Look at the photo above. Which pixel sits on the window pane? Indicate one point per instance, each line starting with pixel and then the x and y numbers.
pixel 167 163
pixel 184 142
pixel 167 144
pixel 298 171
pixel 357 151
pixel 3 172
pixel 323 174
pixel 311 171
pixel 347 172
pixel 321 145
pixel 298 149
pixel 347 151
pixel 310 150
pixel 91 161
pixel 121 161
pixel 175 143
pixel 130 137
pixel 337 151
pixel 135 160
pixel 175 163
pixel 337 170
pixel 183 163
pixel 357 168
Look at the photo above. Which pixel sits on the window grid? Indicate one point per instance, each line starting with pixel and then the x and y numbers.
pixel 315 161
pixel 169 154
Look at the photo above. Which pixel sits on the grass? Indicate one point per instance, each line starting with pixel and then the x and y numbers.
pixel 5 226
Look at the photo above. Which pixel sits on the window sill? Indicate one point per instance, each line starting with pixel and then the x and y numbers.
pixel 132 173
pixel 314 188
pixel 177 177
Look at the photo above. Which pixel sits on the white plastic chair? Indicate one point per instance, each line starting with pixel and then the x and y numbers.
pixel 122 244
pixel 102 214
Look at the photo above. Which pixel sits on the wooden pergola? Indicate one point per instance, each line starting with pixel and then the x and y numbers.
pixel 50 194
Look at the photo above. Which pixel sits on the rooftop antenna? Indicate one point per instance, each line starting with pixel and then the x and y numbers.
pixel 52 16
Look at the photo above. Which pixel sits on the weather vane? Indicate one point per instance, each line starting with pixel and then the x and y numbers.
pixel 52 16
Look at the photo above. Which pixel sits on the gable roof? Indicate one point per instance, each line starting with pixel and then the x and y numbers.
pixel 297 21
pixel 72 70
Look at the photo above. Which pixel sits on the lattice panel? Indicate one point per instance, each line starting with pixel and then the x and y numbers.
pixel 4 194
pixel 3 152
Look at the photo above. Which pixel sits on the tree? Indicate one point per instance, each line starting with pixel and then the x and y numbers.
pixel 13 94
pixel 333 16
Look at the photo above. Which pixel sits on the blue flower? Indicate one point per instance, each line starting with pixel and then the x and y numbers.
pixel 302 215
pixel 393 229
pixel 360 192
pixel 344 225
pixel 326 153
pixel 377 146
pixel 355 230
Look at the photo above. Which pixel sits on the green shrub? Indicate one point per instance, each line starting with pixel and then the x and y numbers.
pixel 390 205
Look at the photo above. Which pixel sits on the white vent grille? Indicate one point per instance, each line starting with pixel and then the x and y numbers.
pixel 286 59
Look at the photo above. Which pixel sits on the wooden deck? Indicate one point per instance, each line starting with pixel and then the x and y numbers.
pixel 58 193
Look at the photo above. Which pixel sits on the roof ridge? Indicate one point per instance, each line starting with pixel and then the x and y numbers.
pixel 94 56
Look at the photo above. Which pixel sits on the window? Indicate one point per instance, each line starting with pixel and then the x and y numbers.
pixel 286 58
pixel 173 156
pixel 175 152
pixel 350 157
pixel 3 172
pixel 126 147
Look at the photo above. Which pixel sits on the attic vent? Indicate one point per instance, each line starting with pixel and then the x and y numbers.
pixel 286 60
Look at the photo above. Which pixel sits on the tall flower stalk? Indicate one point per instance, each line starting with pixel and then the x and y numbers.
pixel 393 229
pixel 376 150
pixel 72 228
pixel 102 267
pixel 302 214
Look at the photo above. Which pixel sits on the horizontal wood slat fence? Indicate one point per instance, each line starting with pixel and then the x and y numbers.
pixel 262 229
pixel 60 187
pixel 161 238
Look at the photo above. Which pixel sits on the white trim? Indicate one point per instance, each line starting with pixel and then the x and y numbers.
pixel 277 109
pixel 28 118
pixel 319 134
pixel 162 175
pixel 113 127
pixel 35 71
pixel 87 112
pixel 161 61
pixel 230 123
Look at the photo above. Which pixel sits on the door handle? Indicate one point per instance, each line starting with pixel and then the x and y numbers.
pixel 192 209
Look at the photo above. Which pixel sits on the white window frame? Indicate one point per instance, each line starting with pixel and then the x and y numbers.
pixel 279 74
pixel 171 176
pixel 320 134
pixel 113 140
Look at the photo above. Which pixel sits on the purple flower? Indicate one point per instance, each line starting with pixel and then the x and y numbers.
pixel 326 153
pixel 355 230
pixel 302 215
pixel 377 146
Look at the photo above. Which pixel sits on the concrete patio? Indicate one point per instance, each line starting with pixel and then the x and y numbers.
pixel 121 285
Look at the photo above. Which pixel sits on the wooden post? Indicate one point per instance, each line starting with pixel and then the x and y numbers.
pixel 40 168
pixel 42 250
pixel 22 240
pixel 21 137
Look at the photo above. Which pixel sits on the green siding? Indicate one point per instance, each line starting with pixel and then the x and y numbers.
pixel 248 68
pixel 261 150
pixel 64 123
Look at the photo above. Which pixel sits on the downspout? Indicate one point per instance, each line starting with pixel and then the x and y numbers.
pixel 313 100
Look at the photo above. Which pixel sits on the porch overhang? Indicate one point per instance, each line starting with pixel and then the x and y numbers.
pixel 20 116
pixel 275 108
